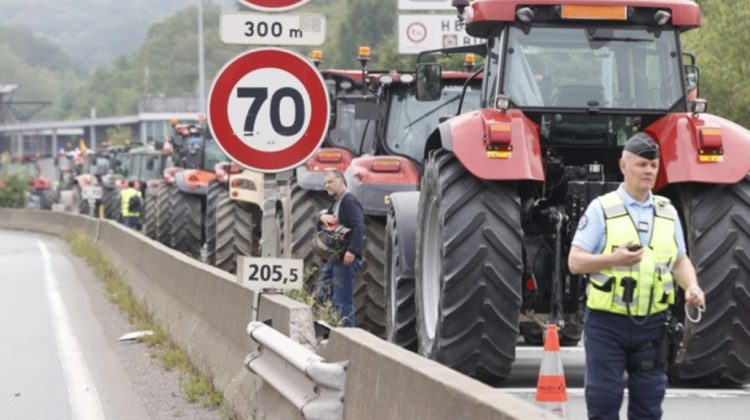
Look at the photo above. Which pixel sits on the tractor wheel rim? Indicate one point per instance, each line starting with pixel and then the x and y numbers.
pixel 432 265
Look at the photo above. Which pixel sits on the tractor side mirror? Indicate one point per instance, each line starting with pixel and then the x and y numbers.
pixel 429 81
pixel 692 75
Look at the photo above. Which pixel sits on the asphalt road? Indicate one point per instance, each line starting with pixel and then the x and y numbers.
pixel 679 404
pixel 59 353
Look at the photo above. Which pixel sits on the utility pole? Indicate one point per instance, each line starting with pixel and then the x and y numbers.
pixel 201 67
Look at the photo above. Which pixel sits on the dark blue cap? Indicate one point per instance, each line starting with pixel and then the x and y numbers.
pixel 643 145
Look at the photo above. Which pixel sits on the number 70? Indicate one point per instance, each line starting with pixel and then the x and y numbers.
pixel 259 96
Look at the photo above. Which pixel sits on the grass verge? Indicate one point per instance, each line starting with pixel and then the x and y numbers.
pixel 197 387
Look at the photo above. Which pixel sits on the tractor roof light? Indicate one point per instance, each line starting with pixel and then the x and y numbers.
pixel 662 17
pixel 525 14
pixel 460 6
pixel 407 78
pixel 502 102
pixel 365 55
pixel 386 80
pixel 469 61
pixel 698 106
pixel 317 57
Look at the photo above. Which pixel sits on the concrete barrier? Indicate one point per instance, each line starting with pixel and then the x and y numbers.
pixel 207 312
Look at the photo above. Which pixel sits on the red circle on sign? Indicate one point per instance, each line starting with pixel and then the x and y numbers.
pixel 273 5
pixel 418 27
pixel 221 94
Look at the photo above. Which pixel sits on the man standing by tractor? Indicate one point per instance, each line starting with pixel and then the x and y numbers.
pixel 631 244
pixel 337 276
pixel 131 202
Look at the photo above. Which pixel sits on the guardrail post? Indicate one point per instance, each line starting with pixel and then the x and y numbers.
pixel 315 387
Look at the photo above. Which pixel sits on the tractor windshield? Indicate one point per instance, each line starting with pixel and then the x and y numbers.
pixel 213 154
pixel 585 67
pixel 354 135
pixel 25 169
pixel 410 122
pixel 146 166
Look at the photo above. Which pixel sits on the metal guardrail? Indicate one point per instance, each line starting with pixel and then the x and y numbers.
pixel 301 376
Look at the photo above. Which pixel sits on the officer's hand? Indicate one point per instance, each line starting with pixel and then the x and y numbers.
pixel 349 258
pixel 694 296
pixel 625 256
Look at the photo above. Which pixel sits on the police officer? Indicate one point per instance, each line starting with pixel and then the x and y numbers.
pixel 631 244
pixel 130 215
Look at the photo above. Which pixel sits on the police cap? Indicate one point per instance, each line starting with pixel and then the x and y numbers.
pixel 641 144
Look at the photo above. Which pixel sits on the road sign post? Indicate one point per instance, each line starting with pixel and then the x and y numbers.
pixel 273 5
pixel 269 109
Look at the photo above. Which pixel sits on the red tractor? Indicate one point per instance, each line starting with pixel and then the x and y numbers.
pixel 42 193
pixel 566 82
pixel 401 125
pixel 348 137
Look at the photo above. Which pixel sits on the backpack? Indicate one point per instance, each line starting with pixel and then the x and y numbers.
pixel 330 244
pixel 134 204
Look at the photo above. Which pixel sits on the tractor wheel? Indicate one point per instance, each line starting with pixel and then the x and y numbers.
pixel 47 198
pixel 369 289
pixel 306 207
pixel 217 192
pixel 111 202
pixel 400 326
pixel 81 205
pixel 468 270
pixel 150 213
pixel 717 223
pixel 186 223
pixel 164 214
pixel 235 234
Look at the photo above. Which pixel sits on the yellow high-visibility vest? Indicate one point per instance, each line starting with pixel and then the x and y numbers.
pixel 654 288
pixel 125 200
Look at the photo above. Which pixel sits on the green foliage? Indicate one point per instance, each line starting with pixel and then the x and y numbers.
pixel 13 188
pixel 720 46
pixel 119 135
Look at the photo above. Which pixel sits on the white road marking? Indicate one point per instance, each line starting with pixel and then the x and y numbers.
pixel 82 393
pixel 671 392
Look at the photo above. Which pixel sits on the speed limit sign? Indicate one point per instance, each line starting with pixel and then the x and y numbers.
pixel 273 5
pixel 268 109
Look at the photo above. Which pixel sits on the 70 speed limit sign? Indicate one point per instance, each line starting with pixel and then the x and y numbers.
pixel 268 109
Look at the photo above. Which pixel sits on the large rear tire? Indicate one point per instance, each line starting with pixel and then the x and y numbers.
pixel 468 270
pixel 186 223
pixel 111 202
pixel 217 192
pixel 150 212
pixel 400 326
pixel 369 291
pixel 717 220
pixel 236 221
pixel 306 207
pixel 164 214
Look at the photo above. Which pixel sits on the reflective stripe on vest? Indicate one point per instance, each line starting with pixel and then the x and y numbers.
pixel 652 275
pixel 125 201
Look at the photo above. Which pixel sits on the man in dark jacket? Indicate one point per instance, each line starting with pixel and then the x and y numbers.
pixel 336 281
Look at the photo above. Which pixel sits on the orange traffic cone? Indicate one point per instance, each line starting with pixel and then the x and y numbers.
pixel 551 393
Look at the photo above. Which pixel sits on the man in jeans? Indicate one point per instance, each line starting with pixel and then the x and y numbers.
pixel 336 281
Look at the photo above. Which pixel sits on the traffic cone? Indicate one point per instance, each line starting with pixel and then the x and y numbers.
pixel 551 392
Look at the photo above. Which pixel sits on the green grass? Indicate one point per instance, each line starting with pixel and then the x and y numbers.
pixel 324 312
pixel 197 387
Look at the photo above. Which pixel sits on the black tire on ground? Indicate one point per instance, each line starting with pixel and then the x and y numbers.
pixel 82 205
pixel 216 193
pixel 717 226
pixel 400 326
pixel 187 215
pixel 369 289
pixel 306 207
pixel 468 270
pixel 164 214
pixel 111 202
pixel 236 222
pixel 150 212
pixel 46 199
